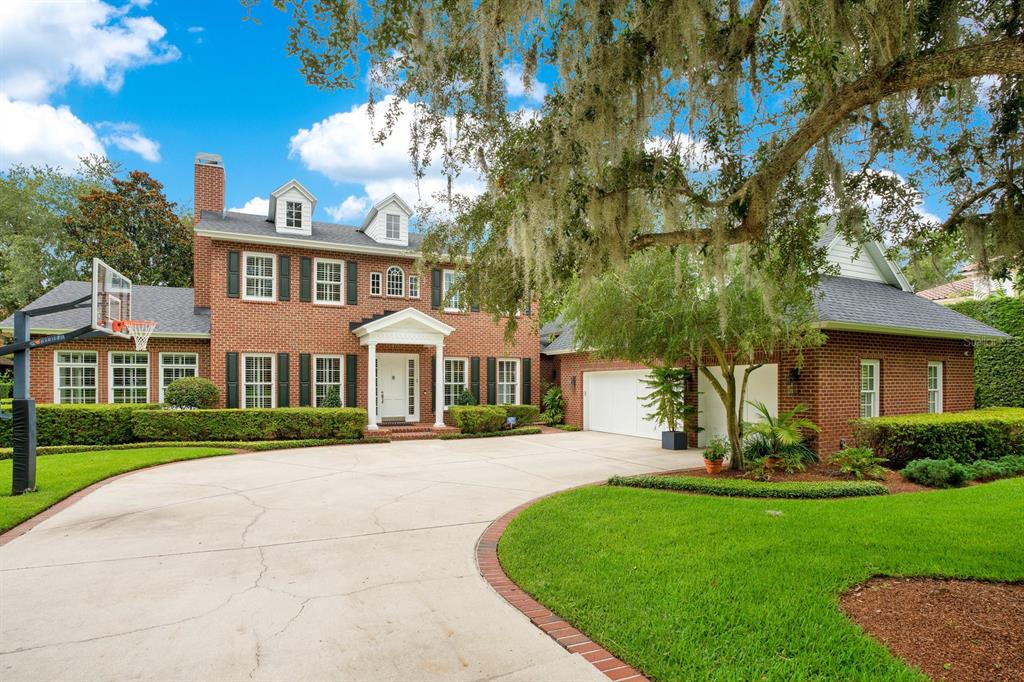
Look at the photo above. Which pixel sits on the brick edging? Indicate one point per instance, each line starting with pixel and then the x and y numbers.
pixel 543 618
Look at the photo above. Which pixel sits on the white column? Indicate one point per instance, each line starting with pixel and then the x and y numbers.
pixel 439 388
pixel 371 387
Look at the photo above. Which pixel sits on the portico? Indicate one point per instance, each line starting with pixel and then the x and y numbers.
pixel 404 328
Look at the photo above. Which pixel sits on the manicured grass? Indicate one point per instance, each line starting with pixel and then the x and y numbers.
pixel 694 587
pixel 58 476
pixel 250 445
pixel 737 487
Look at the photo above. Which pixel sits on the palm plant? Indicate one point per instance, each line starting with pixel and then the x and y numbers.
pixel 781 435
pixel 666 399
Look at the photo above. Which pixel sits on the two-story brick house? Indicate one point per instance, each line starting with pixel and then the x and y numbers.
pixel 286 310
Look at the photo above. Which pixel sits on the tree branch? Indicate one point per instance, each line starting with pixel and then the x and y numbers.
pixel 958 210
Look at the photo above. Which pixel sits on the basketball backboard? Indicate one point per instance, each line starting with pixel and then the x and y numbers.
pixel 111 299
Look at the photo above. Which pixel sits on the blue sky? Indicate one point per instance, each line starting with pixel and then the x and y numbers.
pixel 152 82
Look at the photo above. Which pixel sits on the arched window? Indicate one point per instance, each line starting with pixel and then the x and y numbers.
pixel 396 281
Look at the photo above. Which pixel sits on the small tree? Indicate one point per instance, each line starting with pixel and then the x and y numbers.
pixel 667 399
pixel 195 393
pixel 466 398
pixel 332 399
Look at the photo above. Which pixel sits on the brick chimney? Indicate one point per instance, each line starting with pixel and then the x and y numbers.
pixel 209 196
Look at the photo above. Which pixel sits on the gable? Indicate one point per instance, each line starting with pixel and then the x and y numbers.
pixel 868 262
pixel 291 192
pixel 394 210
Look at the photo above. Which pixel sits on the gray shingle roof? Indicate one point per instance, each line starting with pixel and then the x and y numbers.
pixel 244 224
pixel 171 307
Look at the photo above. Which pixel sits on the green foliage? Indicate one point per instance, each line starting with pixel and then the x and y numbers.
pixel 524 414
pixel 860 463
pixel 566 427
pixel 991 469
pixel 998 367
pixel 521 431
pixel 6 390
pixel 466 398
pixel 717 449
pixel 477 418
pixel 332 399
pixel 666 399
pixel 284 423
pixel 937 473
pixel 963 436
pixel 554 405
pixel 737 487
pixel 73 424
pixel 782 431
pixel 249 446
pixel 196 393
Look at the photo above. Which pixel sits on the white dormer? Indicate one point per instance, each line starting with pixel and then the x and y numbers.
pixel 388 221
pixel 291 209
pixel 868 262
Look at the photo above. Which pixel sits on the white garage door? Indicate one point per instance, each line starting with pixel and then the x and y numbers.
pixel 762 387
pixel 612 403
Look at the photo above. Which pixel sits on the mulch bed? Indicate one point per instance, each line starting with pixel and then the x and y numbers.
pixel 816 472
pixel 952 629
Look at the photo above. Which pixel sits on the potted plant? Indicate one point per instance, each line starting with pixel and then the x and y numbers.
pixel 714 455
pixel 667 404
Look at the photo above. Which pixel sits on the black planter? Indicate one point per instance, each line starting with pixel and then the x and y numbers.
pixel 673 440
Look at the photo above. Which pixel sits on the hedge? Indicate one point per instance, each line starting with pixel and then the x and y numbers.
pixel 283 423
pixel 947 473
pixel 524 414
pixel 990 433
pixel 522 431
pixel 71 424
pixel 251 446
pixel 998 367
pixel 738 487
pixel 477 418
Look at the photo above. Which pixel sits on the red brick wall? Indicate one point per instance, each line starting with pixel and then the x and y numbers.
pixel 209 185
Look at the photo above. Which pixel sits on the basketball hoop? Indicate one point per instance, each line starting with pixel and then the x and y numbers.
pixel 139 331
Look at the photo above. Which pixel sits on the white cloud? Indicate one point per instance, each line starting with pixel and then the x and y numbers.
pixel 353 208
pixel 514 86
pixel 43 135
pixel 256 205
pixel 128 137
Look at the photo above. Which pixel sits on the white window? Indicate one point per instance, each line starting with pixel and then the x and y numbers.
pixel 329 283
pixel 175 366
pixel 396 281
pixel 293 214
pixel 75 377
pixel 450 280
pixel 508 382
pixel 935 387
pixel 393 226
pixel 869 374
pixel 375 283
pixel 326 377
pixel 414 286
pixel 455 380
pixel 129 377
pixel 259 276
pixel 258 381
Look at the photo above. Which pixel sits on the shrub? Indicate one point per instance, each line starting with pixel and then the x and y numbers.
pixel 332 399
pixel 554 405
pixel 737 487
pixel 566 427
pixel 193 392
pixel 937 473
pixel 78 424
pixel 859 462
pixel 477 418
pixel 524 414
pixel 524 431
pixel 998 367
pixel 963 436
pixel 284 423
pixel 466 398
pixel 991 469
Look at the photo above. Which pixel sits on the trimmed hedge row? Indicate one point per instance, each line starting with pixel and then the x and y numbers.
pixel 71 424
pixel 998 367
pixel 521 431
pixel 990 433
pixel 251 446
pixel 489 418
pixel 948 473
pixel 284 423
pixel 737 487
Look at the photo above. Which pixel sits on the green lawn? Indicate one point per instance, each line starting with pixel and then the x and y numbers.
pixel 58 476
pixel 694 587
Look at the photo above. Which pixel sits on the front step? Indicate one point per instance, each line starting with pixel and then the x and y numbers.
pixel 408 431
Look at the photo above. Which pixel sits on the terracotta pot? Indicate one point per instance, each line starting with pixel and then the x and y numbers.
pixel 713 466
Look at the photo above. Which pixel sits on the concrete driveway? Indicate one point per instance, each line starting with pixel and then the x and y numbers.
pixel 345 563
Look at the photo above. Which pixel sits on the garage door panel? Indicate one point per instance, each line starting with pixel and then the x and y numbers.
pixel 612 403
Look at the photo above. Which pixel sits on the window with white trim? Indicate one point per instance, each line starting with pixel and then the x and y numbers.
pixel 174 366
pixel 508 382
pixel 934 387
pixel 258 381
pixel 327 375
pixel 259 276
pixel 456 380
pixel 869 380
pixel 75 376
pixel 414 286
pixel 396 281
pixel 393 226
pixel 129 377
pixel 329 282
pixel 449 281
pixel 293 214
pixel 375 283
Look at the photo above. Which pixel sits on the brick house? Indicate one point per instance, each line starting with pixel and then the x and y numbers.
pixel 287 310
pixel 888 352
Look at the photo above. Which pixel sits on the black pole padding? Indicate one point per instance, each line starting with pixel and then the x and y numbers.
pixel 24 456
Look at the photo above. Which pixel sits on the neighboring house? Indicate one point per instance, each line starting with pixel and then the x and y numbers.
pixel 974 284
pixel 888 352
pixel 286 309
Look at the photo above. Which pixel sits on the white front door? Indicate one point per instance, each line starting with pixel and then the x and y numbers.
pixel 398 386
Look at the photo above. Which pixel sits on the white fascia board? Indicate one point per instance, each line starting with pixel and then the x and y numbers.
pixel 154 335
pixel 877 253
pixel 279 240
pixel 905 331
pixel 409 314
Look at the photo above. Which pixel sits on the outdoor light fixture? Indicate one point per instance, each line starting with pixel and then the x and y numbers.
pixel 572 382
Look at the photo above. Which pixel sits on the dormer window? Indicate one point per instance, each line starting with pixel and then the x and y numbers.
pixel 293 215
pixel 393 228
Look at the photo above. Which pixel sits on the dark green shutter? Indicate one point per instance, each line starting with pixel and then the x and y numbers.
pixel 231 380
pixel 283 385
pixel 435 289
pixel 351 377
pixel 305 279
pixel 352 287
pixel 492 381
pixel 475 308
pixel 433 383
pixel 304 393
pixel 234 274
pixel 529 304
pixel 474 378
pixel 284 278
pixel 527 381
